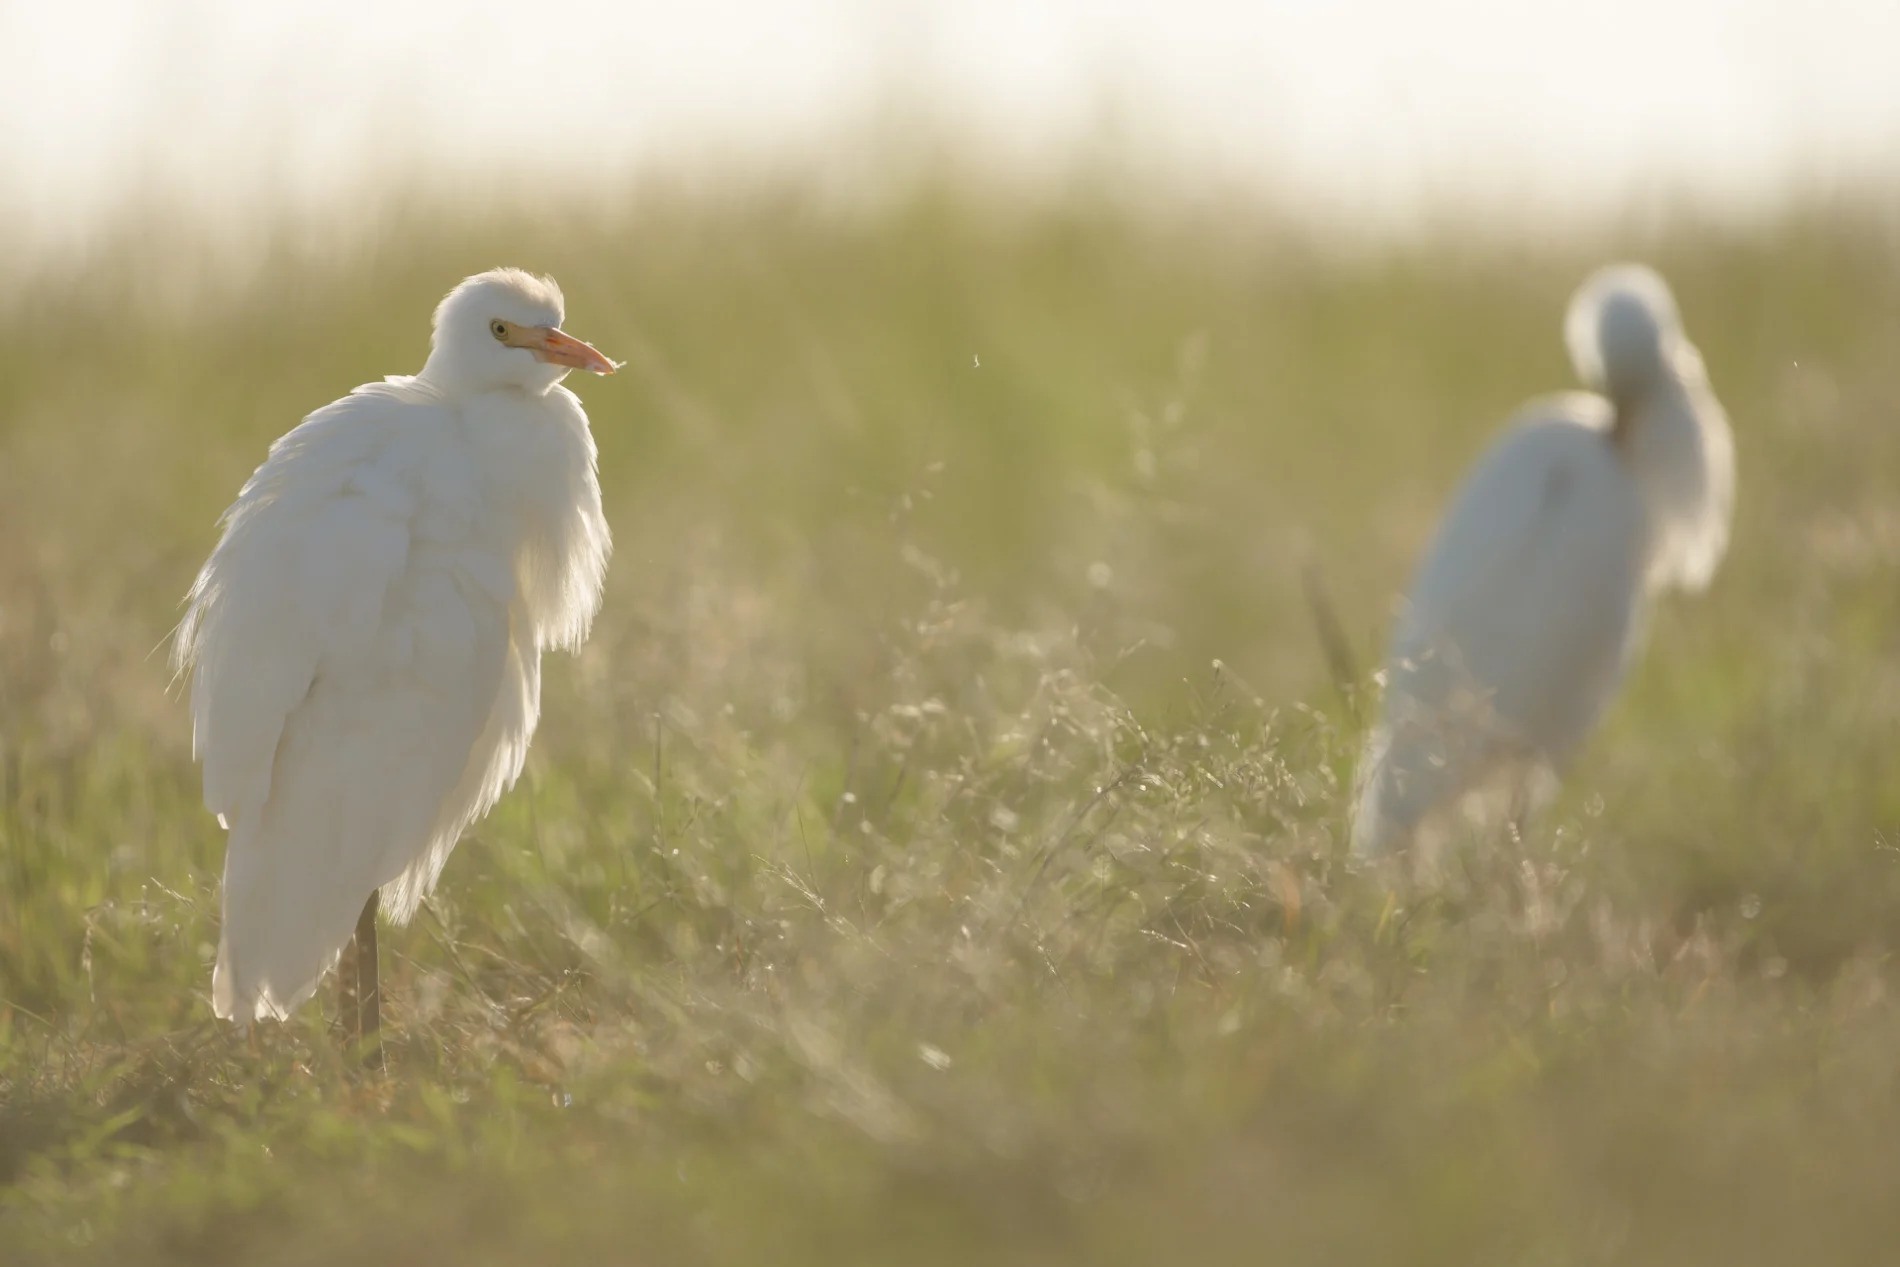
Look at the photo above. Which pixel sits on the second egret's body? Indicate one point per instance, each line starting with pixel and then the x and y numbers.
pixel 366 638
pixel 1529 602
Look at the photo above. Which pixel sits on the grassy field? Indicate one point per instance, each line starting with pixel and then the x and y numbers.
pixel 937 854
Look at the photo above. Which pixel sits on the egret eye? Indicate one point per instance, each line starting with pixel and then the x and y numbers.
pixel 499 329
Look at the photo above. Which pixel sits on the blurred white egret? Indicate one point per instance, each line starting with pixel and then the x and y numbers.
pixel 365 640
pixel 1527 607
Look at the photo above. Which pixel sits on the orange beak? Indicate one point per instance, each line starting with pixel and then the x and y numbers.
pixel 556 348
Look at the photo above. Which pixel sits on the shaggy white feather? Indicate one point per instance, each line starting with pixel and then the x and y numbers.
pixel 365 640
pixel 1521 620
pixel 1626 341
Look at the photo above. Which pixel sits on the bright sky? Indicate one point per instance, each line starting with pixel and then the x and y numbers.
pixel 1370 108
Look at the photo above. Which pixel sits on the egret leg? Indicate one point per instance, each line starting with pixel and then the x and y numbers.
pixel 362 995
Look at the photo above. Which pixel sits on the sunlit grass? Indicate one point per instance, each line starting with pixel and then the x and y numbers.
pixel 897 877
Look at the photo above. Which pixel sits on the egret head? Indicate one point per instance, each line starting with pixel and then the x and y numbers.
pixel 1624 333
pixel 502 328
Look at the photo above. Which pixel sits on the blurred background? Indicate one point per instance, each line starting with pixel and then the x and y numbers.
pixel 938 846
pixel 1369 112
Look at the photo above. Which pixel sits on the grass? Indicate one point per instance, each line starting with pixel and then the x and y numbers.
pixel 936 855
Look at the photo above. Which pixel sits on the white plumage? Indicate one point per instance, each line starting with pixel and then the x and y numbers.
pixel 1525 611
pixel 365 640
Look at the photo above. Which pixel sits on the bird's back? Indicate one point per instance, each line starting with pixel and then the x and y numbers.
pixel 365 641
pixel 1517 624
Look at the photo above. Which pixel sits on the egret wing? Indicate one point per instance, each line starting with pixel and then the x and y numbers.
pixel 309 548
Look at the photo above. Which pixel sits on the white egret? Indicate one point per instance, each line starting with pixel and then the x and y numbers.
pixel 365 641
pixel 1528 605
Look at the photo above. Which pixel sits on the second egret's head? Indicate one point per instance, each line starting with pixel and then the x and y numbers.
pixel 1624 333
pixel 502 328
